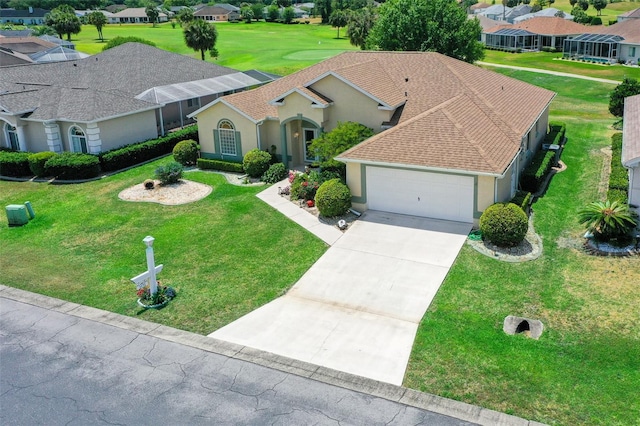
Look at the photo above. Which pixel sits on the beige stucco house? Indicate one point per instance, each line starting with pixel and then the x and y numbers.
pixel 631 148
pixel 452 138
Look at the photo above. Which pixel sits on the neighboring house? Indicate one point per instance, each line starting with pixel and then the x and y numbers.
pixel 449 142
pixel 130 93
pixel 25 50
pixel 9 57
pixel 82 13
pixel 631 148
pixel 31 16
pixel 533 34
pixel 630 15
pixel 135 15
pixel 516 12
pixel 614 43
pixel 57 54
pixel 114 8
pixel 478 7
pixel 549 12
pixel 217 14
pixel 26 45
pixel 497 12
pixel 487 24
pixel 16 33
pixel 58 41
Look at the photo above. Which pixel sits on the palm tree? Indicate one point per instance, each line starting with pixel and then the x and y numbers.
pixel 199 35
pixel 609 219
pixel 98 19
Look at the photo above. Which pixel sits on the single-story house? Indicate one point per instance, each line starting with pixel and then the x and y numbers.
pixel 619 42
pixel 134 15
pixel 549 12
pixel 449 140
pixel 26 45
pixel 486 24
pixel 83 13
pixel 478 7
pixel 217 14
pixel 130 93
pixel 16 33
pixel 30 16
pixel 533 34
pixel 516 12
pixel 631 148
pixel 630 15
pixel 497 12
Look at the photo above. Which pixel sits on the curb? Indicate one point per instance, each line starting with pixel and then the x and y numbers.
pixel 410 397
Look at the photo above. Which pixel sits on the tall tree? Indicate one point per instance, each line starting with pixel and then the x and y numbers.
pixel 628 87
pixel 201 36
pixel 360 23
pixel 338 19
pixel 580 16
pixel 427 25
pixel 323 8
pixel 273 13
pixel 63 20
pixel 152 12
pixel 97 19
pixel 573 2
pixel 258 11
pixel 185 16
pixel 288 14
pixel 246 14
pixel 583 4
pixel 599 5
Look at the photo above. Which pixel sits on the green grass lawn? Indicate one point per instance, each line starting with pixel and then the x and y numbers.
pixel 585 368
pixel 552 61
pixel 271 47
pixel 608 13
pixel 226 254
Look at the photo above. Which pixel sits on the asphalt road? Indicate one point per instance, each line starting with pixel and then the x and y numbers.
pixel 60 369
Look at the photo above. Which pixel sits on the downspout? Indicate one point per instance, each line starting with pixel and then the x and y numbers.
pixel 161 122
pixel 260 123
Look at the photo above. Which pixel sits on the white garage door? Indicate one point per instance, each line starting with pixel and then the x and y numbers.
pixel 435 195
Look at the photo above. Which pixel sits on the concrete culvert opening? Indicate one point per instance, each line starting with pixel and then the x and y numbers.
pixel 517 325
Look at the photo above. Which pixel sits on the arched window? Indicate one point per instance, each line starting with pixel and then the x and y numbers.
pixel 12 136
pixel 227 137
pixel 78 139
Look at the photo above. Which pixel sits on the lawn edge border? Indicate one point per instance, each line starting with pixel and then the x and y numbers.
pixel 400 394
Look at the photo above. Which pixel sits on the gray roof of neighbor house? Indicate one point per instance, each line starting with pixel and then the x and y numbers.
pixel 631 131
pixel 56 54
pixel 631 14
pixel 100 86
pixel 455 115
pixel 16 33
pixel 26 13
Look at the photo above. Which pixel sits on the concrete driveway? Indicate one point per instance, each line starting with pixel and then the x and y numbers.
pixel 358 307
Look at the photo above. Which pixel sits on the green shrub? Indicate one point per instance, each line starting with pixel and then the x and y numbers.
pixel 533 176
pixel 72 166
pixel 333 198
pixel 225 166
pixel 256 162
pixel 596 20
pixel 504 224
pixel 117 41
pixel 613 21
pixel 608 219
pixel 619 195
pixel 522 199
pixel 38 160
pixel 137 153
pixel 169 173
pixel 14 163
pixel 275 173
pixel 186 152
pixel 619 177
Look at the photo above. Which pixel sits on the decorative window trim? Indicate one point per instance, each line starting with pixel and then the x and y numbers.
pixel 76 140
pixel 227 138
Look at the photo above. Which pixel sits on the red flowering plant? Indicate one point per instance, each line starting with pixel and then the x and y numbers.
pixel 161 296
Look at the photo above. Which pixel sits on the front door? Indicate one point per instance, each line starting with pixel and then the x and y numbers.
pixel 308 135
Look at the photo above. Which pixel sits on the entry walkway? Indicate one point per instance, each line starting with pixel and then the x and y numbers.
pixel 357 309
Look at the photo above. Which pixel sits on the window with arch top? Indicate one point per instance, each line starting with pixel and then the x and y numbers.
pixel 227 138
pixel 78 139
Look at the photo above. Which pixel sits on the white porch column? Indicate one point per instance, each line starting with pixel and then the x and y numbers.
pixel 54 140
pixel 22 139
pixel 94 143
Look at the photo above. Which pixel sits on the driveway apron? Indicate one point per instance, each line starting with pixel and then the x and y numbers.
pixel 357 309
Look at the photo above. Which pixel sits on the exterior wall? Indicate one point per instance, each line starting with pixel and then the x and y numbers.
pixel 634 187
pixel 350 105
pixel 630 52
pixel 504 185
pixel 485 194
pixel 35 136
pixel 295 104
pixel 208 121
pixel 270 135
pixel 356 184
pixel 124 130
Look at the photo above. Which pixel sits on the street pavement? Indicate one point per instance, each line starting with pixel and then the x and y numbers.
pixel 64 363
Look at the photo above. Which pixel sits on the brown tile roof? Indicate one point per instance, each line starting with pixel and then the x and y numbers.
pixel 545 25
pixel 631 131
pixel 631 14
pixel 479 6
pixel 488 23
pixel 629 30
pixel 456 115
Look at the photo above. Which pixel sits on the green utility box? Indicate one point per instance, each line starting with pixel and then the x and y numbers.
pixel 17 215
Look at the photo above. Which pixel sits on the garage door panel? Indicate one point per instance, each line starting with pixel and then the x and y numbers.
pixel 423 194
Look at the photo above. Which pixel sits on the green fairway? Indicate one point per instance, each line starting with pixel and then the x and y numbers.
pixel 271 47
pixel 585 368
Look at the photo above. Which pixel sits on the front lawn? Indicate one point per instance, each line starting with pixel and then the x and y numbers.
pixel 226 255
pixel 585 368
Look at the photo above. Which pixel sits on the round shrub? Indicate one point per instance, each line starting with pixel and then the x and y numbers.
pixel 256 162
pixel 333 198
pixel 275 174
pixel 169 173
pixel 504 224
pixel 38 160
pixel 186 152
pixel 72 166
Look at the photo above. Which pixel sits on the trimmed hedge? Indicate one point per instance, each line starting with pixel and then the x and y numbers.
pixel 619 177
pixel 333 198
pixel 224 166
pixel 535 173
pixel 556 133
pixel 522 199
pixel 256 162
pixel 504 224
pixel 137 153
pixel 38 160
pixel 72 166
pixel 14 163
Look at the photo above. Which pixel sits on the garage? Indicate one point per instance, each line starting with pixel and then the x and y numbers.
pixel 416 193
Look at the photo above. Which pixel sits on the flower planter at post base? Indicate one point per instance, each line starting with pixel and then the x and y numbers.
pixel 157 306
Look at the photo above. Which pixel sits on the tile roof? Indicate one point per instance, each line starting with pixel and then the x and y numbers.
pixel 631 14
pixel 109 81
pixel 213 10
pixel 456 115
pixel 488 23
pixel 134 12
pixel 547 26
pixel 549 12
pixel 631 131
pixel 629 30
pixel 26 45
